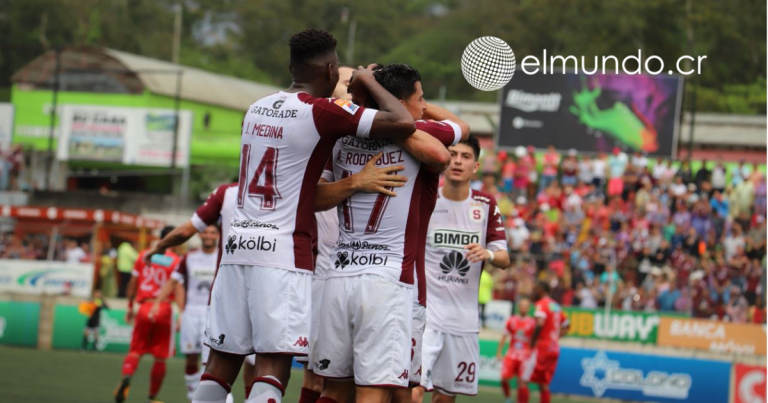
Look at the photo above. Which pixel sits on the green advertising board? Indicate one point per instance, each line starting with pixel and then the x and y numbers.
pixel 19 323
pixel 634 326
pixel 114 333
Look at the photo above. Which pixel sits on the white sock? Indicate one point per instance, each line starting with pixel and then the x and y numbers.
pixel 210 392
pixel 230 399
pixel 263 392
pixel 192 381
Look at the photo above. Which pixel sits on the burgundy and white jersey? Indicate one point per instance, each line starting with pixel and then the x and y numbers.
pixel 219 208
pixel 327 235
pixel 452 281
pixel 196 271
pixel 378 234
pixel 286 140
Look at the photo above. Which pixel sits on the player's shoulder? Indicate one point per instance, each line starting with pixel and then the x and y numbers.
pixel 484 197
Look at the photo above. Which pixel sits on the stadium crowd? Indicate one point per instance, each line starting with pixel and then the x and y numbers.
pixel 632 232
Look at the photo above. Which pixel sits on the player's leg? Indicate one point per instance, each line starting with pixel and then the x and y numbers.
pixel 417 394
pixel 86 334
pixel 228 333
pixel 140 345
pixel 382 314
pixel 95 333
pixel 249 372
pixel 332 353
pixel 506 376
pixel 163 347
pixel 312 385
pixel 417 336
pixel 442 396
pixel 280 302
pixel 455 370
pixel 192 374
pixel 523 393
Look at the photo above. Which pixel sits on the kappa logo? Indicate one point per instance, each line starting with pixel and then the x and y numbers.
pixel 455 261
pixel 341 260
pixel 404 375
pixel 218 341
pixel 322 364
pixel 302 342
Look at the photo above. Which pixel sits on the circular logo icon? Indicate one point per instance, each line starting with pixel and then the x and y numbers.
pixel 488 63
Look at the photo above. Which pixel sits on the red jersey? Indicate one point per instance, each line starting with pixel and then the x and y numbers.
pixel 151 278
pixel 554 318
pixel 520 329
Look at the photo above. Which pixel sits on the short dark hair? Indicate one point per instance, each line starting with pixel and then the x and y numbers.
pixel 310 44
pixel 166 230
pixel 474 144
pixel 545 286
pixel 399 79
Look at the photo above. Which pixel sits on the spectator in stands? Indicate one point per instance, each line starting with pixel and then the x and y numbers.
pixel 570 169
pixel 126 257
pixel 508 174
pixel 617 164
pixel 740 173
pixel 718 176
pixel 74 253
pixel 15 160
pixel 550 164
pixel 586 173
pixel 599 171
pixel 107 270
pixel 703 175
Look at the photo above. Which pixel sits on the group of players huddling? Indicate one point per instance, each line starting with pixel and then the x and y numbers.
pixel 339 248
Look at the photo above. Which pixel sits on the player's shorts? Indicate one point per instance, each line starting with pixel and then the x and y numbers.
pixel 540 367
pixel 250 360
pixel 512 366
pixel 417 340
pixel 193 331
pixel 364 331
pixel 259 310
pixel 450 363
pixel 615 186
pixel 154 336
pixel 318 285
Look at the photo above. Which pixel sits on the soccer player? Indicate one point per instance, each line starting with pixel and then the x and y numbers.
pixel 466 230
pixel 361 335
pixel 261 295
pixel 551 324
pixel 193 276
pixel 150 335
pixel 519 328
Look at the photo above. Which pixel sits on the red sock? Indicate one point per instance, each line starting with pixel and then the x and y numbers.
pixel 522 392
pixel 545 398
pixel 505 387
pixel 326 400
pixel 130 364
pixel 308 396
pixel 248 387
pixel 190 369
pixel 156 378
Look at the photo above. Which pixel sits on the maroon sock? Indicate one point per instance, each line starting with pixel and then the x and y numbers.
pixel 248 387
pixel 326 400
pixel 156 378
pixel 522 393
pixel 505 388
pixel 545 397
pixel 190 369
pixel 308 396
pixel 130 364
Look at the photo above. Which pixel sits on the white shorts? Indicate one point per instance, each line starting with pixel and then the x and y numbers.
pixel 417 337
pixel 450 363
pixel 364 331
pixel 193 331
pixel 250 360
pixel 318 284
pixel 259 310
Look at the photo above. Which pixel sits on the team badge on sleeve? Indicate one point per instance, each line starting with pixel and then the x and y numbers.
pixel 347 106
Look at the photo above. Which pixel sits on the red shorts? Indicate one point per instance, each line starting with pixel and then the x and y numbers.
pixel 541 367
pixel 511 367
pixel 615 186
pixel 156 336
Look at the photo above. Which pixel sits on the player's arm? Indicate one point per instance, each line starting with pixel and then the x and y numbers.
pixel 502 343
pixel 178 236
pixel 392 120
pixel 428 150
pixel 370 179
pixel 495 251
pixel 435 112
pixel 180 295
pixel 130 291
pixel 537 331
pixel 165 292
pixel 497 257
pixel 565 324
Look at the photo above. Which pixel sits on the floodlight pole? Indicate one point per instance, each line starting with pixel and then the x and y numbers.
pixel 52 124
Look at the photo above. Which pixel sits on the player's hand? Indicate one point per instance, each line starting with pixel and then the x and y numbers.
pixel 360 77
pixel 476 253
pixel 153 311
pixel 151 252
pixel 129 315
pixel 178 322
pixel 377 180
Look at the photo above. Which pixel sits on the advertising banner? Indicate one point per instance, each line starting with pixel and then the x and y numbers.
pixel 640 327
pixel 640 377
pixel 132 136
pixel 749 384
pixel 496 314
pixel 713 336
pixel 19 323
pixel 46 278
pixel 591 113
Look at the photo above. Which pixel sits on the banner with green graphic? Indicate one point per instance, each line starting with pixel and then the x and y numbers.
pixel 19 323
pixel 114 333
pixel 46 278
pixel 634 326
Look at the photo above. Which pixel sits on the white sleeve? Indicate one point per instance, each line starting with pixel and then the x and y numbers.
pixel 178 277
pixel 456 131
pixel 365 123
pixel 198 223
pixel 497 245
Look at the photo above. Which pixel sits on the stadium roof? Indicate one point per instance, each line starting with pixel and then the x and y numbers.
pixel 106 70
